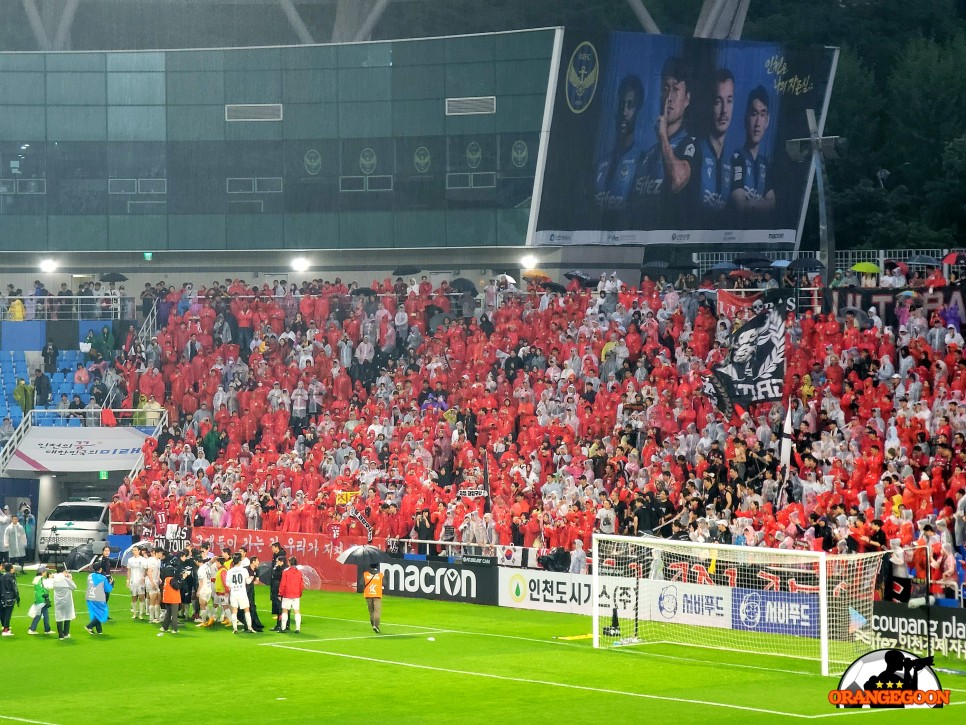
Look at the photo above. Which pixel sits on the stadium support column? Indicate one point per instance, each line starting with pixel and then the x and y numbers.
pixel 355 19
pixel 62 39
pixel 36 25
pixel 644 17
pixel 295 20
pixel 49 494
pixel 721 19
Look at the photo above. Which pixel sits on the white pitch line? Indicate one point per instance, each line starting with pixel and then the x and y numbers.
pixel 528 681
pixel 559 643
pixel 362 621
pixel 863 711
pixel 23 719
pixel 369 637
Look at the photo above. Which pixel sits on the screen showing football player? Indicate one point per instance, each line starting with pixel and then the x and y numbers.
pixel 751 188
pixel 713 187
pixel 615 172
pixel 665 169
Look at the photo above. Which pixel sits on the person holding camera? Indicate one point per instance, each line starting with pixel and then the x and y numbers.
pixel 424 530
pixel 63 587
pixel 41 606
pixel 172 576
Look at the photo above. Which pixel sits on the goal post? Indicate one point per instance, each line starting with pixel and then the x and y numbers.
pixel 802 604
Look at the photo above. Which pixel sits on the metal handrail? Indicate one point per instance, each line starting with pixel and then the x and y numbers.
pixel 13 443
pixel 69 307
pixel 139 463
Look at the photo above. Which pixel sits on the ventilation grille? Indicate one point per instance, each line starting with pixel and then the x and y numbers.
pixel 471 106
pixel 253 112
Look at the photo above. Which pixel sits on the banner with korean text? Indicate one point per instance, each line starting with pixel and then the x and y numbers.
pixel 73 450
pixel 549 591
pixel 318 551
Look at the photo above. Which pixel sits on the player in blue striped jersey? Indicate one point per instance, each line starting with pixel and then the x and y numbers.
pixel 751 188
pixel 665 169
pixel 712 187
pixel 615 173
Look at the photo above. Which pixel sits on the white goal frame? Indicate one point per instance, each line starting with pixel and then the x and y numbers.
pixel 750 555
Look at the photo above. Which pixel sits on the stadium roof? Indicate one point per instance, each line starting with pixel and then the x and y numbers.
pixel 51 21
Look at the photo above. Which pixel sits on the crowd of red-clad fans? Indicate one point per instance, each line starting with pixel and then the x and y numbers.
pixel 559 414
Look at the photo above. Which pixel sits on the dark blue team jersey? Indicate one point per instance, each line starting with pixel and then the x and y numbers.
pixel 750 173
pixel 614 180
pixel 713 185
pixel 655 208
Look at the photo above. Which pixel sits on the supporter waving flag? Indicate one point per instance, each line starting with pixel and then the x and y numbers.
pixel 754 370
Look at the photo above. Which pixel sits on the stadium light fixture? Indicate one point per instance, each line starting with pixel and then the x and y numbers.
pixel 817 149
pixel 528 261
pixel 48 266
pixel 301 264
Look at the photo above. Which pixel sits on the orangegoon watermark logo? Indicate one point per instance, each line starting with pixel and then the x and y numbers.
pixel 889 678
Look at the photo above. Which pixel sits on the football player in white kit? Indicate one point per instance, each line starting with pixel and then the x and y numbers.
pixel 152 584
pixel 238 579
pixel 136 566
pixel 206 575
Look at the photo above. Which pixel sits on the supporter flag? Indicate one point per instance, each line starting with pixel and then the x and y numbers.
pixel 511 556
pixel 754 371
pixel 487 504
pixel 108 418
pixel 785 457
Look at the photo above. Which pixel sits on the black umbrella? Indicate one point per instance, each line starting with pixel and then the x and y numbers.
pixel 925 260
pixel 80 557
pixel 578 274
pixel 364 292
pixel 265 572
pixel 438 319
pixel 461 284
pixel 362 555
pixel 406 269
pixel 806 264
pixel 752 260
pixel 554 287
pixel 861 316
pixel 113 277
pixel 723 268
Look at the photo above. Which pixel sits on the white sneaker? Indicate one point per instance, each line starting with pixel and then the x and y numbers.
pixel 31 631
pixel 6 633
pixel 160 634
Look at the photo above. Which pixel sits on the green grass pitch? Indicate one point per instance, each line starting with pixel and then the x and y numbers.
pixel 482 665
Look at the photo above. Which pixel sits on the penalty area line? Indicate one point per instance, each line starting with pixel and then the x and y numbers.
pixel 369 637
pixel 559 642
pixel 547 683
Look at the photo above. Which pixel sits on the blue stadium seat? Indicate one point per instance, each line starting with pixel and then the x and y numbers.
pixel 74 422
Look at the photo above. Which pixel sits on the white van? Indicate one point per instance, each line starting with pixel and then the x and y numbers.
pixel 71 524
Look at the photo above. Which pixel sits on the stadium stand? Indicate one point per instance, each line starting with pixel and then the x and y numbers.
pixel 576 410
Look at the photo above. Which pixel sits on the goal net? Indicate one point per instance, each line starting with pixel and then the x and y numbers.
pixel 801 604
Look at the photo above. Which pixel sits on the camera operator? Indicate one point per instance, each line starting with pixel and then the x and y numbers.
pixel 424 530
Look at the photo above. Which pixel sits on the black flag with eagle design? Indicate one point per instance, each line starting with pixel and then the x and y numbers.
pixel 754 371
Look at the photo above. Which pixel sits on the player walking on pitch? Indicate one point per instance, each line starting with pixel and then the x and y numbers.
pixel 136 567
pixel 238 579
